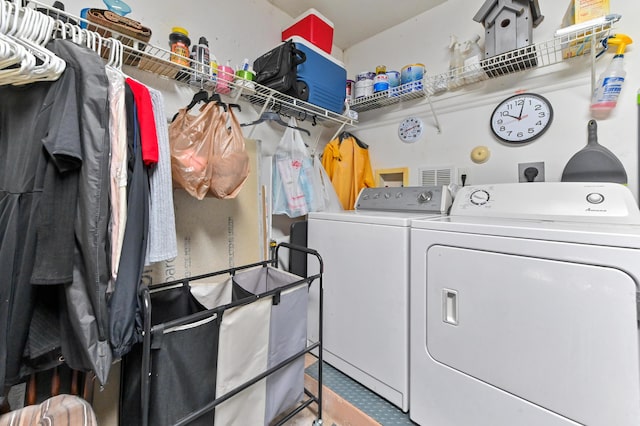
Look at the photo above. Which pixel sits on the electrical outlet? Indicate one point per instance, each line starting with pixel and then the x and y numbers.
pixel 463 172
pixel 525 176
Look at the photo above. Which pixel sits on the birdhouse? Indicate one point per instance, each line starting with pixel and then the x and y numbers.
pixel 508 24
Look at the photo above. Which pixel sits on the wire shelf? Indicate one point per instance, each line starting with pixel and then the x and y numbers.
pixel 158 61
pixel 563 46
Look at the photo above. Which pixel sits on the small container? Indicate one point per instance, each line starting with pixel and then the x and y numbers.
pixel 411 78
pixel 350 91
pixel 412 72
pixel 365 75
pixel 226 74
pixel 244 78
pixel 394 78
pixel 179 43
pixel 364 88
pixel 380 83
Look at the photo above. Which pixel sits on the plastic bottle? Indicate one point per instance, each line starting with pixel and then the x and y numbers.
pixel 179 43
pixel 456 61
pixel 472 56
pixel 200 61
pixel 609 85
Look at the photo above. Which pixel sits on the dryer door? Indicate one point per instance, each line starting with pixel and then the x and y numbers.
pixel 557 334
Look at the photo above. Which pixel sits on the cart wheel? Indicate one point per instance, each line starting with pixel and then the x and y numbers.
pixel 317 422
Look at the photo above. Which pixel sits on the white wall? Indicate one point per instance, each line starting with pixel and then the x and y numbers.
pixel 464 113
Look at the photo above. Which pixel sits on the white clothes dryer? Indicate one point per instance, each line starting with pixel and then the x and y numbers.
pixel 524 308
pixel 366 284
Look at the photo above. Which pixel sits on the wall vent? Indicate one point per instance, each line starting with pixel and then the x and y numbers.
pixel 436 176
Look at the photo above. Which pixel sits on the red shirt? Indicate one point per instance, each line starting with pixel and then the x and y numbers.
pixel 146 122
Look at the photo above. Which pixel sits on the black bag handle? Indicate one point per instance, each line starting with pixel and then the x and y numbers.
pixel 298 55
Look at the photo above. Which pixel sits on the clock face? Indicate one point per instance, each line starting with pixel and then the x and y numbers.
pixel 521 118
pixel 410 129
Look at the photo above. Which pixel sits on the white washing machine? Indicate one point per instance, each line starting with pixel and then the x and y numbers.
pixel 366 284
pixel 524 308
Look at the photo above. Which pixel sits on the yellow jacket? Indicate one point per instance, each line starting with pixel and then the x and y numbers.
pixel 349 169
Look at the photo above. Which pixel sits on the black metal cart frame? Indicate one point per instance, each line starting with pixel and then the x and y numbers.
pixel 149 330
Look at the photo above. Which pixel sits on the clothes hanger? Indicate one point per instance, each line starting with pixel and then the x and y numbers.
pixel 215 97
pixel 346 134
pixel 275 117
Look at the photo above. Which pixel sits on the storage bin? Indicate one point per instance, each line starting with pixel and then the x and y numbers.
pixel 313 27
pixel 324 76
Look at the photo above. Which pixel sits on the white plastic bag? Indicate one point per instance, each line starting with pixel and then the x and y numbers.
pixel 296 186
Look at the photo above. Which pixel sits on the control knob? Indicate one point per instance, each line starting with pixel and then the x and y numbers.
pixel 425 197
pixel 479 197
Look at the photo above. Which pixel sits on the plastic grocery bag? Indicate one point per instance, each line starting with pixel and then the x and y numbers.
pixel 230 161
pixel 296 187
pixel 207 159
pixel 191 140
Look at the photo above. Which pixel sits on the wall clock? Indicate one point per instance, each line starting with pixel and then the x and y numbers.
pixel 410 129
pixel 521 118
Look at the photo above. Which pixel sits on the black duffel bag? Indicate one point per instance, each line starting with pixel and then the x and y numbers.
pixel 278 70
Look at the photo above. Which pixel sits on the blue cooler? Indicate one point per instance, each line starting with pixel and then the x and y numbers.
pixel 325 77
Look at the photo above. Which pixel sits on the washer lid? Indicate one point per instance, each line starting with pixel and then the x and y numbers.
pixel 403 219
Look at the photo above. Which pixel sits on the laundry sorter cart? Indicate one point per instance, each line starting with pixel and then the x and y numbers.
pixel 228 353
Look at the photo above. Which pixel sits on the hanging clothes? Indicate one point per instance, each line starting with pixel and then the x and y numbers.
pixel 86 307
pixel 162 244
pixel 118 168
pixel 29 174
pixel 124 304
pixel 346 161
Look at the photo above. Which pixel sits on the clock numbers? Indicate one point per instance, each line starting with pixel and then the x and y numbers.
pixel 521 118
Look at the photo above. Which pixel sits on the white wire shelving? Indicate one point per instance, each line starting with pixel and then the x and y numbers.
pixel 155 60
pixel 563 47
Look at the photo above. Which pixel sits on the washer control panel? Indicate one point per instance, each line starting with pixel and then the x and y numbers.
pixel 430 199
pixel 569 201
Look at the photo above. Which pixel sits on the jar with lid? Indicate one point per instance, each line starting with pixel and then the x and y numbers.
pixel 179 43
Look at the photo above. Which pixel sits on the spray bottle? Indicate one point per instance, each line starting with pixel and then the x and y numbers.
pixel 473 55
pixel 456 62
pixel 607 90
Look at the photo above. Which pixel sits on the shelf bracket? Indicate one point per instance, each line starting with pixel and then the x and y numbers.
pixel 435 116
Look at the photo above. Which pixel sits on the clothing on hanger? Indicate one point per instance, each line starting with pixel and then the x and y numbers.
pixel 347 165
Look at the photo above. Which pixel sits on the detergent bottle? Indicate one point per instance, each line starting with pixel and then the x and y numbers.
pixel 609 85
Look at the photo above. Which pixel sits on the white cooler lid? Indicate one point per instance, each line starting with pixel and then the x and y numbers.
pixel 306 43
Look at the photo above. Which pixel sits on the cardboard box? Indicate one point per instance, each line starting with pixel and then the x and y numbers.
pixel 584 10
pixel 313 27
pixel 581 11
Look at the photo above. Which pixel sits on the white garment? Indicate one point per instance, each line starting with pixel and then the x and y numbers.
pixel 118 168
pixel 162 243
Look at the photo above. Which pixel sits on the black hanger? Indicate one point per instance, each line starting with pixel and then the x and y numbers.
pixel 272 116
pixel 346 134
pixel 200 96
pixel 215 97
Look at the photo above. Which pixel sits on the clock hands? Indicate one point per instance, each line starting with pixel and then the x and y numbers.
pixel 521 108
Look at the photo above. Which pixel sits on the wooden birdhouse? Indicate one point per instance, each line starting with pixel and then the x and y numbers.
pixel 508 24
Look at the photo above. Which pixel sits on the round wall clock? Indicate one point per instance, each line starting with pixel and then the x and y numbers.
pixel 521 118
pixel 410 129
